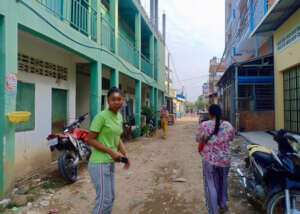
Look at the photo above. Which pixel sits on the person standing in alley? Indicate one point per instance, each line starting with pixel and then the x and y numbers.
pixel 214 137
pixel 107 148
pixel 164 116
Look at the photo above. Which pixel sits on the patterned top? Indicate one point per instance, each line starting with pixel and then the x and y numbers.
pixel 217 150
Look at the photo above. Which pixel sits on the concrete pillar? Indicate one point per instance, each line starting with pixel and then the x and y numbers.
pixel 151 96
pixel 138 35
pixel 114 78
pixel 163 98
pixel 138 104
pixel 152 11
pixel 151 50
pixel 8 72
pixel 156 14
pixel 114 13
pixel 156 106
pixel 96 89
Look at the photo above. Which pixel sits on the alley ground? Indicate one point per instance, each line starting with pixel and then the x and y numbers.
pixel 148 187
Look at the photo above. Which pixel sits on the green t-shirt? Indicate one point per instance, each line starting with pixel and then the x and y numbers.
pixel 109 127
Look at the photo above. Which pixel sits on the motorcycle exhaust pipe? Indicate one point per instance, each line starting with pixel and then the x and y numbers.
pixel 243 178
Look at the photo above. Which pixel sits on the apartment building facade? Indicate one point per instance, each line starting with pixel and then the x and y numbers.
pixel 59 58
pixel 216 70
pixel 247 87
pixel 282 23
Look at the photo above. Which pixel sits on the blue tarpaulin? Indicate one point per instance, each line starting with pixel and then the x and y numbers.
pixel 255 79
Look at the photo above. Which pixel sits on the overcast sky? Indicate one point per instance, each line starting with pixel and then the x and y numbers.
pixel 195 33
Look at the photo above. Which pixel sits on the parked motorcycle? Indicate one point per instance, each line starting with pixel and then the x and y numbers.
pixel 72 143
pixel 273 179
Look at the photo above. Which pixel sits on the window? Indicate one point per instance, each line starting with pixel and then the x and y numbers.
pixel 26 102
pixel 292 99
pixel 79 15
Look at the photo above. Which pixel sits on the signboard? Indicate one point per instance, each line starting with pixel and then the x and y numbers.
pixel 11 82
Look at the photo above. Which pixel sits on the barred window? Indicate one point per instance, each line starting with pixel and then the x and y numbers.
pixel 292 99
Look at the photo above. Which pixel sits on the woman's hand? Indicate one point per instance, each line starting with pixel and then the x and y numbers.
pixel 127 165
pixel 116 156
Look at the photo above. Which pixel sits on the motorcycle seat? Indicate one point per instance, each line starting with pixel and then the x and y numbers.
pixel 265 159
pixel 257 148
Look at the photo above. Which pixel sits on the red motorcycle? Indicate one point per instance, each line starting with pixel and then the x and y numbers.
pixel 72 143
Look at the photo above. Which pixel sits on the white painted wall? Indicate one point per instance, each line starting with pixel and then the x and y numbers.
pixel 31 152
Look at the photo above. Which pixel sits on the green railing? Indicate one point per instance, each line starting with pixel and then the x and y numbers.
pixel 78 13
pixel 107 34
pixel 146 66
pixel 127 51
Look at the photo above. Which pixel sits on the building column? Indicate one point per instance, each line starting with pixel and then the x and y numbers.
pixel 151 96
pixel 114 78
pixel 151 50
pixel 114 13
pixel 8 92
pixel 163 98
pixel 96 89
pixel 156 105
pixel 138 104
pixel 138 35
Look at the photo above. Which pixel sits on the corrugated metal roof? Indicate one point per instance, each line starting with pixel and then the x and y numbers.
pixel 277 14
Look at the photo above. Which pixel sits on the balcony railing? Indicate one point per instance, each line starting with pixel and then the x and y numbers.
pixel 107 34
pixel 127 51
pixel 78 13
pixel 146 66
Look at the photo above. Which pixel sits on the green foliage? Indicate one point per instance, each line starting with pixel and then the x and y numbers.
pixel 145 129
pixel 148 112
pixel 199 104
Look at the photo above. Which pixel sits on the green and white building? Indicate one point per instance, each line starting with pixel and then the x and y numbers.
pixel 58 58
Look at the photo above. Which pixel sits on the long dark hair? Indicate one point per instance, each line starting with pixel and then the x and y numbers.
pixel 215 110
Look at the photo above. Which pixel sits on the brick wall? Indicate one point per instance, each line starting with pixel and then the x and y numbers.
pixel 270 3
pixel 264 49
pixel 254 121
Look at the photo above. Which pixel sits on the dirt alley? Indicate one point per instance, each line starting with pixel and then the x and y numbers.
pixel 148 187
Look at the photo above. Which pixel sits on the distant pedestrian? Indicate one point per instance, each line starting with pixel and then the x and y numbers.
pixel 164 117
pixel 215 135
pixel 107 148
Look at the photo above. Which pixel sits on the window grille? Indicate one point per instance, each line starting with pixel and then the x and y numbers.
pixel 292 99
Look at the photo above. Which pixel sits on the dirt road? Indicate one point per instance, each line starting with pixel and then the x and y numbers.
pixel 148 187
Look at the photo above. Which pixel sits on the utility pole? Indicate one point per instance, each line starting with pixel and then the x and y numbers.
pixel 169 73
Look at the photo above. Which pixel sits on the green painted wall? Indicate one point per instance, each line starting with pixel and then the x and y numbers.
pixel 2 102
pixel 32 17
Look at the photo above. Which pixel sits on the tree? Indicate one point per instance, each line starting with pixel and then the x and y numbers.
pixel 201 103
pixel 189 106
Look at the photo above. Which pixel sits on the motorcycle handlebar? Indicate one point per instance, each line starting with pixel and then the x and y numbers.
pixel 79 120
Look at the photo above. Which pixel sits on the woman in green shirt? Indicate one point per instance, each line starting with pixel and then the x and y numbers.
pixel 107 148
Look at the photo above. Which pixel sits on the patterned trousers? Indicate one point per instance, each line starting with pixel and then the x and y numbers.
pixel 215 186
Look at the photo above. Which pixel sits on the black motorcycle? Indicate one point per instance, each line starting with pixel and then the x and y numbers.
pixel 273 179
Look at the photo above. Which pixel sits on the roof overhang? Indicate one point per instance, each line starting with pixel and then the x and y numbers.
pixel 280 11
pixel 255 63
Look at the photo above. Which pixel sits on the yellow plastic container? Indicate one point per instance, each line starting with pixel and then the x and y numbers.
pixel 18 116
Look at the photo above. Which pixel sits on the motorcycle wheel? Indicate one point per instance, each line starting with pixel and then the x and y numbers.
pixel 276 205
pixel 66 169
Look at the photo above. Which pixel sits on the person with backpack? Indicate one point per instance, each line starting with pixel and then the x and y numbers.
pixel 214 137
